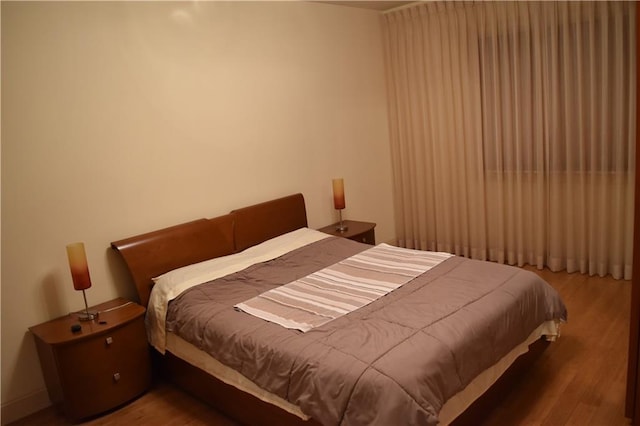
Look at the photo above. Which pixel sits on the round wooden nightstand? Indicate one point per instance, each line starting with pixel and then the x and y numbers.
pixel 363 232
pixel 99 367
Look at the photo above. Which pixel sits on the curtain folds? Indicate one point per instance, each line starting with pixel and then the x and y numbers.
pixel 513 131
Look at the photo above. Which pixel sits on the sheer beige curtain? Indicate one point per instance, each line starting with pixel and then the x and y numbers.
pixel 513 131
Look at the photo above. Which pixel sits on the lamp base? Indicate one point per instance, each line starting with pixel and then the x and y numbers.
pixel 341 226
pixel 86 315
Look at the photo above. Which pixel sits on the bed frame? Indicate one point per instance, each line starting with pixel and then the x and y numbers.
pixel 152 254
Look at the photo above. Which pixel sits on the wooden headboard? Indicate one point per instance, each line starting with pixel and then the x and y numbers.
pixel 260 222
pixel 154 253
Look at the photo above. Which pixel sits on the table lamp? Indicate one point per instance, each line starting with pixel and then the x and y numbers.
pixel 80 275
pixel 338 201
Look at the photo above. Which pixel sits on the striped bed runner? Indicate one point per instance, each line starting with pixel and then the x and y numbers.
pixel 341 288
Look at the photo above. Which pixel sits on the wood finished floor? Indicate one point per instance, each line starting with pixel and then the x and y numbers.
pixel 579 380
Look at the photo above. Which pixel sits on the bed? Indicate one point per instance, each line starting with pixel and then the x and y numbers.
pixel 396 358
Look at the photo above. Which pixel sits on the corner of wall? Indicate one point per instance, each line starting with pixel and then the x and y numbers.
pixel 22 407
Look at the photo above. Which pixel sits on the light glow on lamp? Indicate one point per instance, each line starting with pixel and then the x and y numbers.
pixel 338 194
pixel 338 201
pixel 80 275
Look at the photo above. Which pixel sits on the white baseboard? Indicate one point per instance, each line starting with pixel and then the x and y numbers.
pixel 22 407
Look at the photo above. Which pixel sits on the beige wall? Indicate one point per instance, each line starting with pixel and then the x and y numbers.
pixel 120 118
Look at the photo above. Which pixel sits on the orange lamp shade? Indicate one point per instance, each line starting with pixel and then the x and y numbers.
pixel 338 194
pixel 78 265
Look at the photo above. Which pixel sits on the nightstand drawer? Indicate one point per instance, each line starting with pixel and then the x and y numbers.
pixel 104 371
pixel 368 237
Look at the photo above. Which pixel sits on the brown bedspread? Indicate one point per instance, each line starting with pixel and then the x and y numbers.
pixel 400 357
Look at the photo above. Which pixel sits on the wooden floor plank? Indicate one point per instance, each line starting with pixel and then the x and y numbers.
pixel 579 380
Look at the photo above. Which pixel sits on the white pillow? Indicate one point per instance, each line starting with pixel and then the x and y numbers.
pixel 169 285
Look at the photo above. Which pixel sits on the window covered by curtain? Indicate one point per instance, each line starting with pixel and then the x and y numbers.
pixel 513 131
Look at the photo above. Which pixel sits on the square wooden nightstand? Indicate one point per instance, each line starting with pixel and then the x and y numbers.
pixel 103 365
pixel 363 232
